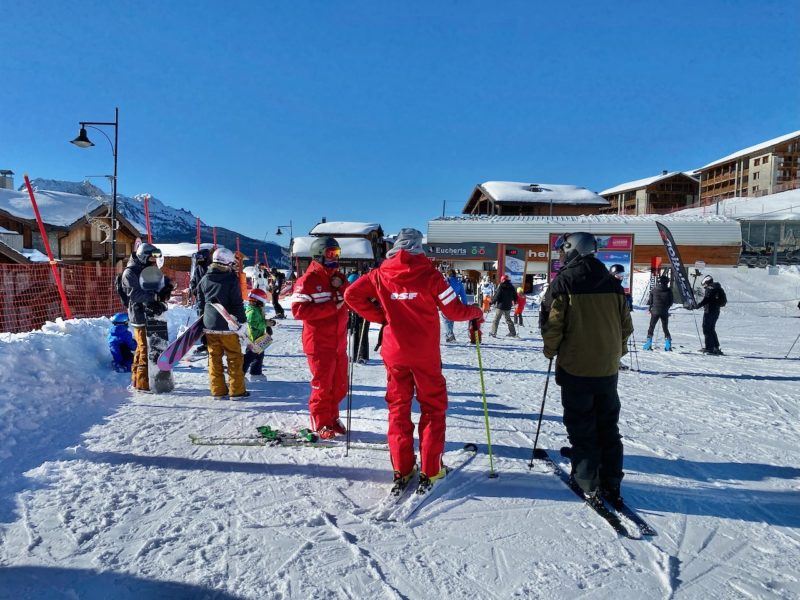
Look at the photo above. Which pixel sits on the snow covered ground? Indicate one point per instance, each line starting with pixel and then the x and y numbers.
pixel 103 496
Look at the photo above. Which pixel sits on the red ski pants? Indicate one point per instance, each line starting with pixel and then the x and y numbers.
pixel 328 387
pixel 431 392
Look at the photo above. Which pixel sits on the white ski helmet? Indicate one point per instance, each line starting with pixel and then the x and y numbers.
pixel 223 256
pixel 145 251
pixel 707 281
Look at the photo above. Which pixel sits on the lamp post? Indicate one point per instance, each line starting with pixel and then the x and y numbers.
pixel 291 241
pixel 83 141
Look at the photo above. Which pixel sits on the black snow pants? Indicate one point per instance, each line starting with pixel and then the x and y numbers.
pixel 591 413
pixel 664 325
pixel 710 329
pixel 359 330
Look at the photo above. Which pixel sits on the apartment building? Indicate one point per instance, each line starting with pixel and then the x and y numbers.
pixel 766 168
pixel 653 195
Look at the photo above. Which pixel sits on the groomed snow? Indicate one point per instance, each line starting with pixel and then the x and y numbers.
pixel 103 496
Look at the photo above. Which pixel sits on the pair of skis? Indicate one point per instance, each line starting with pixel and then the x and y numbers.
pixel 622 518
pixel 267 436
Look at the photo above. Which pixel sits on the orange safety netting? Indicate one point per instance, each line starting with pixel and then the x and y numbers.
pixel 30 297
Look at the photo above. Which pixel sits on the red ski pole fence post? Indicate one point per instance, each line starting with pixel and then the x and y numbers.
pixel 198 234
pixel 46 242
pixel 147 218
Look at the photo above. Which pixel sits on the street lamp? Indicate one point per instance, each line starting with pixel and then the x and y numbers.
pixel 291 241
pixel 83 141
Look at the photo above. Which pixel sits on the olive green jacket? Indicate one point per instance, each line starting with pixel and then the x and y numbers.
pixel 589 322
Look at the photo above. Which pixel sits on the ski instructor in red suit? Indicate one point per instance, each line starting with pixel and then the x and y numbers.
pixel 410 292
pixel 318 301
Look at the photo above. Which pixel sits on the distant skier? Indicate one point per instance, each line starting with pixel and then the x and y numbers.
pixel 660 301
pixel 121 343
pixel 520 307
pixel 406 294
pixel 504 300
pixel 458 288
pixel 587 330
pixel 318 301
pixel 277 281
pixel 618 271
pixel 487 291
pixel 141 303
pixel 221 285
pixel 712 301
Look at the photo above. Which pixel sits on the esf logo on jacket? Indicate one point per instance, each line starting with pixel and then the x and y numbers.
pixel 403 295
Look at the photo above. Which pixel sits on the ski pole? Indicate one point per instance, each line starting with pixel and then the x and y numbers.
pixel 349 382
pixel 541 413
pixel 476 336
pixel 792 348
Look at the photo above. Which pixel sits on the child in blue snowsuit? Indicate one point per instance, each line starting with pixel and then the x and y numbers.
pixel 121 343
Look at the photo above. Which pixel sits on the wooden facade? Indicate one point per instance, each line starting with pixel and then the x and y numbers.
pixel 481 203
pixel 656 195
pixel 767 169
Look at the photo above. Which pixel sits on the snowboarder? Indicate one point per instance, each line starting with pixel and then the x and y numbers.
pixel 587 330
pixel 221 285
pixel 202 259
pixel 121 343
pixel 142 303
pixel 659 302
pixel 458 288
pixel 256 327
pixel 712 301
pixel 405 294
pixel 318 301
pixel 504 299
pixel 278 279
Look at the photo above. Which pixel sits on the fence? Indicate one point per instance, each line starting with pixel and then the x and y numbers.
pixel 30 297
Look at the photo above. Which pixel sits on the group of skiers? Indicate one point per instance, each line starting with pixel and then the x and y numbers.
pixel 585 322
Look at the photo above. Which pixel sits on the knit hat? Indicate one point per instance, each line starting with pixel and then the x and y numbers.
pixel 409 240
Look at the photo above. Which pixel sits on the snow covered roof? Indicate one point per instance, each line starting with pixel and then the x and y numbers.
pixel 352 248
pixel 753 149
pixel 772 207
pixel 699 229
pixel 639 183
pixel 34 255
pixel 4 230
pixel 335 228
pixel 181 249
pixel 545 193
pixel 57 208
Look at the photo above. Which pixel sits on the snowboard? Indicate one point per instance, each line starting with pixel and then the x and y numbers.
pixel 152 279
pixel 175 351
pixel 259 345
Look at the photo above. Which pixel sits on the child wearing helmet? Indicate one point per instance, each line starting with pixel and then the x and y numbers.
pixel 121 343
pixel 221 285
pixel 257 326
pixel 521 299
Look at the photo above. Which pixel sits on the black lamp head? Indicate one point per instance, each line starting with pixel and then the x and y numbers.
pixel 82 141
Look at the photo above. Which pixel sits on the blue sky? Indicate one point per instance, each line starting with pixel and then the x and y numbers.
pixel 252 113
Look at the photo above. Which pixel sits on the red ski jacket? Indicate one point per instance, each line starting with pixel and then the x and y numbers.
pixel 314 302
pixel 410 292
pixel 520 304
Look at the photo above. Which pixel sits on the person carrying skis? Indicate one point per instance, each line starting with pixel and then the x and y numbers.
pixel 318 301
pixel 504 299
pixel 257 326
pixel 458 288
pixel 405 294
pixel 712 301
pixel 140 303
pixel 278 279
pixel 121 343
pixel 519 307
pixel 660 301
pixel 587 332
pixel 221 286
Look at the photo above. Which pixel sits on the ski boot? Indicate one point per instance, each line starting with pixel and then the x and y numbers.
pixel 668 345
pixel 450 339
pixel 612 496
pixel 426 483
pixel 648 345
pixel 400 481
pixel 339 427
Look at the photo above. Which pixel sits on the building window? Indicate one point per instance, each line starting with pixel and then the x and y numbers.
pixel 765 159
pixel 756 174
pixel 755 188
pixel 756 162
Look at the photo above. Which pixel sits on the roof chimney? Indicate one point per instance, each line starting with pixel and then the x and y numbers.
pixel 324 220
pixel 6 179
pixel 664 172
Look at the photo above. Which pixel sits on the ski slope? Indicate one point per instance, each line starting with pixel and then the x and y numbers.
pixel 103 496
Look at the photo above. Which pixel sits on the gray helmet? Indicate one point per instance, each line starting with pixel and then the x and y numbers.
pixel 318 247
pixel 145 251
pixel 616 270
pixel 577 244
pixel 707 281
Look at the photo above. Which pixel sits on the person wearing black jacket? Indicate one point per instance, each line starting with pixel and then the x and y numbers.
pixel 278 278
pixel 221 285
pixel 505 298
pixel 713 299
pixel 659 302
pixel 202 259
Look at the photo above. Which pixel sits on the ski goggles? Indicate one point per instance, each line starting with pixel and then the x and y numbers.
pixel 560 241
pixel 332 253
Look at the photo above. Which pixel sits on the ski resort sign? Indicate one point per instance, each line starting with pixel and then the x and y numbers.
pixel 462 251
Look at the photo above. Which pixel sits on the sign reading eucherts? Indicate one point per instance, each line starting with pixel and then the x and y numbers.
pixel 462 251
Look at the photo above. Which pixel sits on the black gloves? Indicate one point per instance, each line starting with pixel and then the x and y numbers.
pixel 165 292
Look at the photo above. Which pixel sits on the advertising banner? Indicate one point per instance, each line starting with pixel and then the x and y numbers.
pixel 612 249
pixel 678 271
pixel 515 265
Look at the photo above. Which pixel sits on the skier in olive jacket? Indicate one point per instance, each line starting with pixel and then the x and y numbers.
pixel 587 330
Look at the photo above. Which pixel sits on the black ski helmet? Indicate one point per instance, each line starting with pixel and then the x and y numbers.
pixel 577 244
pixel 616 270
pixel 319 245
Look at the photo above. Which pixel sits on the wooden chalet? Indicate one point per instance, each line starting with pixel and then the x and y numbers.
pixel 532 199
pixel 654 195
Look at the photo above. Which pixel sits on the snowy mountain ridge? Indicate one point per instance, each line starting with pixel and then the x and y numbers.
pixel 168 224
